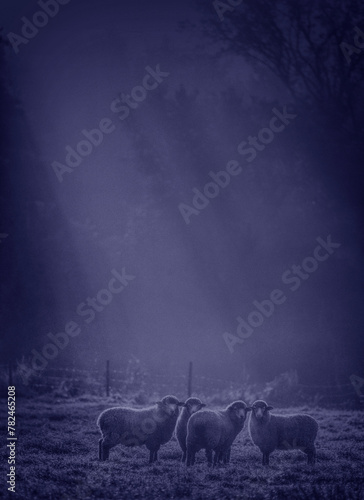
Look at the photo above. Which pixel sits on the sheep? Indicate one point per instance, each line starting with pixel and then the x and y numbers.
pixel 215 431
pixel 192 405
pixel 271 432
pixel 151 426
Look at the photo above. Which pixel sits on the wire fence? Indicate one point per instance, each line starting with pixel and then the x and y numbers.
pixel 133 380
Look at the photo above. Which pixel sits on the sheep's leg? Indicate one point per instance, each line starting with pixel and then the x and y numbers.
pixel 227 456
pixel 190 457
pixel 217 457
pixel 222 456
pixel 184 454
pixel 104 452
pixel 209 457
pixel 265 458
pixel 311 455
pixel 105 445
pixel 153 455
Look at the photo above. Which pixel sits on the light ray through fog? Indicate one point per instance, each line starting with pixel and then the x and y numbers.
pixel 118 208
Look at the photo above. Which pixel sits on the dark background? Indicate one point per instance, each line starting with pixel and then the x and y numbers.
pixel 119 207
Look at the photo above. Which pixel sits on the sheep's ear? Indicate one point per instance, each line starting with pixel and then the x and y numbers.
pixel 182 404
pixel 269 408
pixel 202 405
pixel 159 404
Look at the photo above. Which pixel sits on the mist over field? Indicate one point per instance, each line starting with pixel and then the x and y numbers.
pixel 181 201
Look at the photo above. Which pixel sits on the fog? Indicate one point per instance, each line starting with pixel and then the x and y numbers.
pixel 132 207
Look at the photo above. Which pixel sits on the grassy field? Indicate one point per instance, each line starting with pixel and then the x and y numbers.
pixel 57 448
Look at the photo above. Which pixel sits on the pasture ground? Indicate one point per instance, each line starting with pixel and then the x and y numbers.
pixel 57 458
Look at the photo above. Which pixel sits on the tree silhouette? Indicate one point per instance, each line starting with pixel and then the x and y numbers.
pixel 312 47
pixel 316 49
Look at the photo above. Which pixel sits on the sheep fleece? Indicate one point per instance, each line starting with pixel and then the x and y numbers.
pixel 134 427
pixel 284 432
pixel 211 430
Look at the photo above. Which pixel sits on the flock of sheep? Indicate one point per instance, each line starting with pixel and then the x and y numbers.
pixel 211 430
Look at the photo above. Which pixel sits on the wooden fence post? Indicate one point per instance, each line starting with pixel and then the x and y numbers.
pixel 189 383
pixel 107 378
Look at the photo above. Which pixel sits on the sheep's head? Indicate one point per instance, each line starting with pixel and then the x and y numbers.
pixel 238 411
pixel 193 404
pixel 260 409
pixel 169 405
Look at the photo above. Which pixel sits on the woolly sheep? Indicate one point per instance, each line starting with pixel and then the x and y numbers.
pixel 152 426
pixel 191 406
pixel 215 431
pixel 276 432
